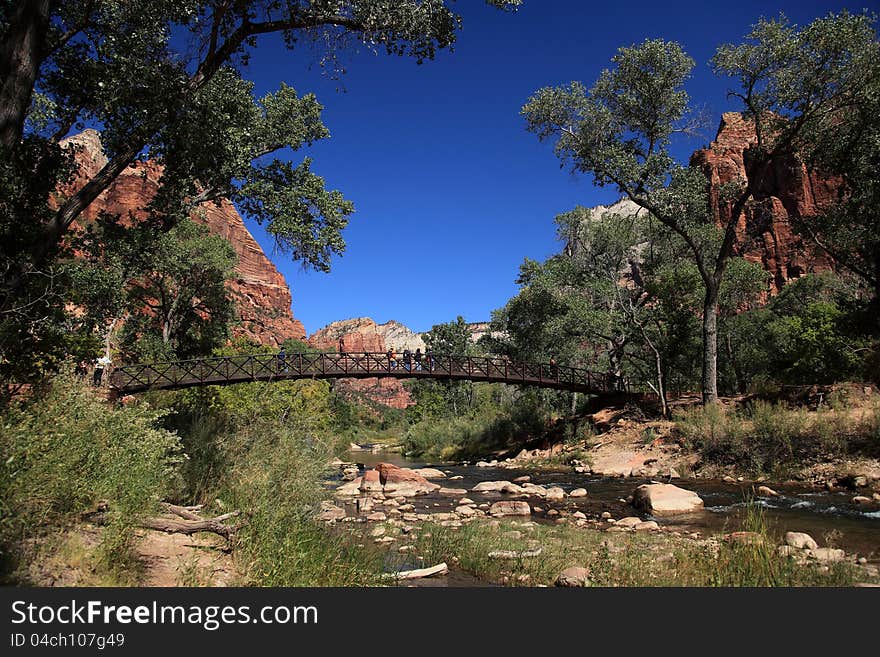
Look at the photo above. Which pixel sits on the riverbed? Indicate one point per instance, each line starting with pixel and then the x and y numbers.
pixel 830 517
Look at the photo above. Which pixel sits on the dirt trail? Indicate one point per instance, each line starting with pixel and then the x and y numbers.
pixel 69 558
pixel 178 560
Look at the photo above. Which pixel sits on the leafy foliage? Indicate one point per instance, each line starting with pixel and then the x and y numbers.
pixel 66 450
pixel 620 130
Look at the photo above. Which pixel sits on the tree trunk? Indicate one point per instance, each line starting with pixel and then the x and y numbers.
pixel 710 345
pixel 21 54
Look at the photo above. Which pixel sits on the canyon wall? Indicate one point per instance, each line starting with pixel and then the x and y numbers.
pixel 363 334
pixel 785 192
pixel 261 294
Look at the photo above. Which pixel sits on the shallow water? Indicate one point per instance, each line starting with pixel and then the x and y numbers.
pixel 829 517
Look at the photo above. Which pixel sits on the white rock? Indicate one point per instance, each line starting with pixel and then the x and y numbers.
pixel 490 486
pixel 578 492
pixel 827 554
pixel 430 473
pixel 554 493
pixel 630 521
pixel 647 526
pixel 452 491
pixel 666 499
pixel 800 541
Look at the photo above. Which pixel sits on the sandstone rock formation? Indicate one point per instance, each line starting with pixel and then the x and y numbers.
pixel 787 191
pixel 400 337
pixel 363 334
pixel 389 480
pixel 350 335
pixel 261 294
pixel 764 231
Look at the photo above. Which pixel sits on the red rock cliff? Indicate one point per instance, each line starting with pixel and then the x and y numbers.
pixel 261 294
pixel 363 334
pixel 787 191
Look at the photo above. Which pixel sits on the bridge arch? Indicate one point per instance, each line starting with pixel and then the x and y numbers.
pixel 225 370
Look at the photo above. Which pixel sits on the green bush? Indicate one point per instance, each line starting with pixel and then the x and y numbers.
pixel 66 450
pixel 278 481
pixel 264 449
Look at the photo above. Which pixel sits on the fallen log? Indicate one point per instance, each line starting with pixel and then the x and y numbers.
pixel 182 511
pixel 192 523
pixel 439 569
pixel 174 526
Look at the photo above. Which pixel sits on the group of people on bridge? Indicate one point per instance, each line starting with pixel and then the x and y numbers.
pixel 412 360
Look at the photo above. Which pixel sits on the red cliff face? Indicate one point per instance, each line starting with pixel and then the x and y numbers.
pixel 787 191
pixel 363 334
pixel 260 292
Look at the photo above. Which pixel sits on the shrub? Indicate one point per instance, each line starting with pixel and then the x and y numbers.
pixel 65 451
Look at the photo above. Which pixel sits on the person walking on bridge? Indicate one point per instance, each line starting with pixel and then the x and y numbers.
pixel 418 359
pixel 392 362
pixel 282 361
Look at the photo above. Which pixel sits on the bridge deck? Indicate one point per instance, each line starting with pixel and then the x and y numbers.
pixel 223 370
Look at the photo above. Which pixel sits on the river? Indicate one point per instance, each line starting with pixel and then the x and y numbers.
pixel 830 517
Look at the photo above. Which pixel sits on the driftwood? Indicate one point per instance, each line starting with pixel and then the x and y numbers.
pixel 191 522
pixel 439 569
pixel 511 554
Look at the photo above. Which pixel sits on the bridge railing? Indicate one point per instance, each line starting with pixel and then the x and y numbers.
pixel 262 367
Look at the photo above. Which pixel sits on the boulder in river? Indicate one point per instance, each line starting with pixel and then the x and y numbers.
pixel 490 486
pixel 766 491
pixel 666 500
pixel 800 541
pixel 554 493
pixel 510 508
pixel 578 492
pixel 400 482
pixel 370 482
pixel 827 554
pixel 430 473
pixel 453 492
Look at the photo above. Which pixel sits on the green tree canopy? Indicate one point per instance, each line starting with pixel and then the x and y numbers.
pixel 620 130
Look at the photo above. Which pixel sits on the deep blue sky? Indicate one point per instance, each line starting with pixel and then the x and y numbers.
pixel 451 192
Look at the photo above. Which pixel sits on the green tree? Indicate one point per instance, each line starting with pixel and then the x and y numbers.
pixel 165 80
pixel 449 339
pixel 847 144
pixel 179 305
pixel 620 130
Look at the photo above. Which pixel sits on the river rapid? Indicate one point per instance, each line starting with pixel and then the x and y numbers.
pixel 830 517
